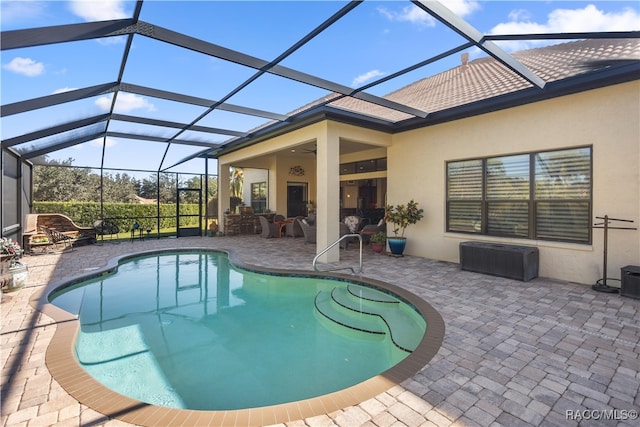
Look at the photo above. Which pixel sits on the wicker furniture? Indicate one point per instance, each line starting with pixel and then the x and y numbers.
pixel 269 229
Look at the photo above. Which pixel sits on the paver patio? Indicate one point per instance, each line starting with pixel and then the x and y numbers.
pixel 543 352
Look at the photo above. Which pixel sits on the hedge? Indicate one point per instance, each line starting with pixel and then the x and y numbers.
pixel 123 214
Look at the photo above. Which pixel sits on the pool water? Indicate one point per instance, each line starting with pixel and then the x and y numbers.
pixel 189 330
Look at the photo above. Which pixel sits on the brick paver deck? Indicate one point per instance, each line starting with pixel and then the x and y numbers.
pixel 542 352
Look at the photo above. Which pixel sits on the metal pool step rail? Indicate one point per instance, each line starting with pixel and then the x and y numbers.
pixel 325 250
pixel 370 311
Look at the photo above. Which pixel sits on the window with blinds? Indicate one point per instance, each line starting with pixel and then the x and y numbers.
pixel 563 194
pixel 464 196
pixel 543 195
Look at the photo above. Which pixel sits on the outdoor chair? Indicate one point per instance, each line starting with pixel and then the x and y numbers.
pixel 294 229
pixel 308 230
pixel 344 229
pixel 106 227
pixel 269 229
pixel 57 239
pixel 371 229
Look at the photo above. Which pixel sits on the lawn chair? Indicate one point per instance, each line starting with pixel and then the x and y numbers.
pixel 57 239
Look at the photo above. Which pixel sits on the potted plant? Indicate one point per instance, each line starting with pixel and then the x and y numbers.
pixel 16 272
pixel 378 241
pixel 401 216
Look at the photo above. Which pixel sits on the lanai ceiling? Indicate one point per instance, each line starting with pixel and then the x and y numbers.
pixel 160 87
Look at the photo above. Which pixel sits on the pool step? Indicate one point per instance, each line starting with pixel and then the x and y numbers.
pixel 350 319
pixel 371 311
pixel 371 294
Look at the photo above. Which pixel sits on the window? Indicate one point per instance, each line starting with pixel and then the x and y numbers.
pixel 259 196
pixel 363 166
pixel 544 195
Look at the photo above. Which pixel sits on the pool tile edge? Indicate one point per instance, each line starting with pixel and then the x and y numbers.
pixel 65 369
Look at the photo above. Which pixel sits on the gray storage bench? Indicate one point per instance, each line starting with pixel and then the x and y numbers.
pixel 511 261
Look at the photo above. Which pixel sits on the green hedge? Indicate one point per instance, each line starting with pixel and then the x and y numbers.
pixel 123 214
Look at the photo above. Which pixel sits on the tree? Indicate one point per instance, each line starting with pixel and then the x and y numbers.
pixel 119 188
pixel 149 189
pixel 55 180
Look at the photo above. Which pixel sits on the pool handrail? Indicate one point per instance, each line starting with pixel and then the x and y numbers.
pixel 325 250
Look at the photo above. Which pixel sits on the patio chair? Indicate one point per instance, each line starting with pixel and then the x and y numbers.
pixel 293 229
pixel 308 230
pixel 105 227
pixel 371 229
pixel 269 229
pixel 344 229
pixel 57 239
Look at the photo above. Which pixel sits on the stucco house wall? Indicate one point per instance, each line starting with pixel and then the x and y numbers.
pixel 264 155
pixel 608 119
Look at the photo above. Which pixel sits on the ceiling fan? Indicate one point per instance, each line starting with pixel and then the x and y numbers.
pixel 313 151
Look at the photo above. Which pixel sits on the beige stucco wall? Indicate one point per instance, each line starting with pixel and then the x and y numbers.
pixel 265 156
pixel 607 119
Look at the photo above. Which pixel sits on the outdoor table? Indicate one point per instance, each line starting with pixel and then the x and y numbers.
pixel 282 225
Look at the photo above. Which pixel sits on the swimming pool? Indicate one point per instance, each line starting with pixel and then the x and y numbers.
pixel 203 290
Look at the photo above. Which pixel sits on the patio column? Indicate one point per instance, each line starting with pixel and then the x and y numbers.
pixel 328 191
pixel 224 192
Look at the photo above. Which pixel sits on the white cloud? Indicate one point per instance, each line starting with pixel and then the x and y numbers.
pixel 415 15
pixel 13 12
pixel 462 8
pixel 109 142
pixel 106 41
pixel 25 66
pixel 519 15
pixel 104 102
pixel 590 18
pixel 363 78
pixel 104 10
pixel 412 14
pixel 125 103
pixel 587 19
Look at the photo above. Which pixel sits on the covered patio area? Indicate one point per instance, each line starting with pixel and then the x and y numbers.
pixel 543 352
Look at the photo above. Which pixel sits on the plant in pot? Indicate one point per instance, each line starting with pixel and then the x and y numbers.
pixel 13 273
pixel 401 216
pixel 378 241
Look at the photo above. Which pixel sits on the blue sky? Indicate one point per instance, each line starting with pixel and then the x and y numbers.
pixel 374 40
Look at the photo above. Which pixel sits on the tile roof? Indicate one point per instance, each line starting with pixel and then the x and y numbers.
pixel 485 78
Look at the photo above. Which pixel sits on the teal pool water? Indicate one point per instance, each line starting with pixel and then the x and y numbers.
pixel 189 330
